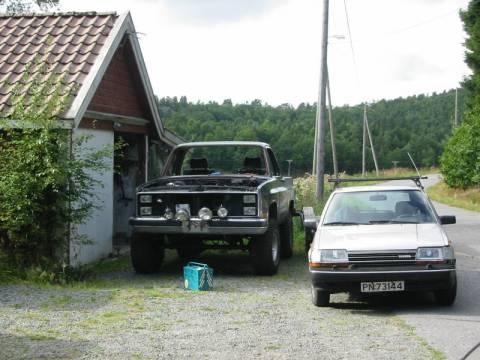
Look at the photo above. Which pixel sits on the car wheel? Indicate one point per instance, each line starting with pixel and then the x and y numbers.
pixel 146 253
pixel 320 298
pixel 265 251
pixel 286 238
pixel 446 297
pixel 308 239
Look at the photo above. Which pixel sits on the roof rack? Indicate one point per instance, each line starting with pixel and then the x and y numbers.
pixel 415 179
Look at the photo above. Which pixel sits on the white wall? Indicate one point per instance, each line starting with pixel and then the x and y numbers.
pixel 99 227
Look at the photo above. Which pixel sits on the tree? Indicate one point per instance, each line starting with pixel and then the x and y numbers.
pixel 460 162
pixel 25 6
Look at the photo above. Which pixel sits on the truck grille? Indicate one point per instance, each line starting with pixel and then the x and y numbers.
pixel 393 258
pixel 233 202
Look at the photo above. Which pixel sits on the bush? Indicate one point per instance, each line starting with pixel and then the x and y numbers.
pixel 460 162
pixel 44 189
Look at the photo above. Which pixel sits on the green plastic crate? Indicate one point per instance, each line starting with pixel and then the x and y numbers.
pixel 198 276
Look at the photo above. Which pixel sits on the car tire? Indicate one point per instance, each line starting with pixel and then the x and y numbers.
pixel 308 239
pixel 265 251
pixel 146 253
pixel 446 297
pixel 320 298
pixel 286 238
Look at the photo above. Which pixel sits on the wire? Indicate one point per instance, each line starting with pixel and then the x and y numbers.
pixel 354 59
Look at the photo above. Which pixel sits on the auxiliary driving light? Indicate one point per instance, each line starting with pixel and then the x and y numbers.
pixel 205 214
pixel 222 212
pixel 182 215
pixel 168 214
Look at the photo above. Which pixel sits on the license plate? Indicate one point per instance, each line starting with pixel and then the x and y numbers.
pixel 382 286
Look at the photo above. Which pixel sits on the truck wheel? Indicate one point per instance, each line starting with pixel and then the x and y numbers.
pixel 320 298
pixel 446 297
pixel 265 251
pixel 286 238
pixel 146 254
pixel 308 239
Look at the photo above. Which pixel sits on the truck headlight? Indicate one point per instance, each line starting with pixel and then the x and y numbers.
pixel 249 199
pixel 205 214
pixel 145 199
pixel 250 211
pixel 435 253
pixel 145 210
pixel 328 257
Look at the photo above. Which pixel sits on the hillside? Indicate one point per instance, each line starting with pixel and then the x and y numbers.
pixel 417 124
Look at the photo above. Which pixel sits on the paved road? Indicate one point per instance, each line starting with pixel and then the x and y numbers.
pixel 456 329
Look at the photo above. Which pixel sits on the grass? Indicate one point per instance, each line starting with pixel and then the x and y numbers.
pixel 467 199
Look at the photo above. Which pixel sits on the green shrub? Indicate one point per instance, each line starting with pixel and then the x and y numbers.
pixel 460 162
pixel 46 183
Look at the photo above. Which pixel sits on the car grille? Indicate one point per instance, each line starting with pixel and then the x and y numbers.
pixel 393 258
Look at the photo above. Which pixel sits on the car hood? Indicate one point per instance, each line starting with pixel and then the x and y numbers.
pixel 380 237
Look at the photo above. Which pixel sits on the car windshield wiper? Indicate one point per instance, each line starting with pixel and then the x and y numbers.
pixel 340 223
pixel 393 222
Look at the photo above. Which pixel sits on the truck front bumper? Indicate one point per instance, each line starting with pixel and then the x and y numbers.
pixel 196 226
pixel 415 280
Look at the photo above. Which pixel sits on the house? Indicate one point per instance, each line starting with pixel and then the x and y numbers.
pixel 100 55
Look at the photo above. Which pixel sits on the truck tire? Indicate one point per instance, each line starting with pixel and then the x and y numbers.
pixel 286 238
pixel 265 251
pixel 146 253
pixel 320 298
pixel 446 297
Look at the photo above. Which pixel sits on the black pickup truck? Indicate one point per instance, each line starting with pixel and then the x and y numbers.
pixel 215 195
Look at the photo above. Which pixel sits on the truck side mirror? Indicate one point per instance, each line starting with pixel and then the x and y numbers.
pixel 448 219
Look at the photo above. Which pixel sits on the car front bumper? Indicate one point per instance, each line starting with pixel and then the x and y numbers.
pixel 415 280
pixel 196 226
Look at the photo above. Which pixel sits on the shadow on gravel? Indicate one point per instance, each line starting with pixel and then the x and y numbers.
pixel 38 346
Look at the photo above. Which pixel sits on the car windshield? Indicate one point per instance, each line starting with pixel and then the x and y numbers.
pixel 218 160
pixel 378 207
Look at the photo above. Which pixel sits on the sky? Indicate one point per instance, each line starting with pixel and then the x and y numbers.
pixel 211 50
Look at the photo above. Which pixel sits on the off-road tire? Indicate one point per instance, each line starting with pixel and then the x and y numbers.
pixel 286 238
pixel 320 298
pixel 446 297
pixel 308 238
pixel 146 253
pixel 261 251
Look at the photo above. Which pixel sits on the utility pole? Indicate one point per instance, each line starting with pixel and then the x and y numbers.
pixel 320 139
pixel 364 143
pixel 332 128
pixel 371 141
pixel 314 164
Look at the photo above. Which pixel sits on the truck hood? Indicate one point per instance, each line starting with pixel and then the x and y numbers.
pixel 378 237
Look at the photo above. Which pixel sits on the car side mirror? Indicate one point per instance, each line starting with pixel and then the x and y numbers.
pixel 448 219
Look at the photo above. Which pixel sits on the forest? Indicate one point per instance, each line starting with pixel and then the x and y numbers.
pixel 418 124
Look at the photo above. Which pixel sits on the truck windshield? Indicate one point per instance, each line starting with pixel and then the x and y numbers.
pixel 218 160
pixel 378 207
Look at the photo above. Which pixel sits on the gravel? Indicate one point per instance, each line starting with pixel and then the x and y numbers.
pixel 128 316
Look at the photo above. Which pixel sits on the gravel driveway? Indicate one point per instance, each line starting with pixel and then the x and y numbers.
pixel 128 316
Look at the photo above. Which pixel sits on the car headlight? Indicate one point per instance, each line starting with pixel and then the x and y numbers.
pixel 145 199
pixel 205 214
pixel 328 257
pixel 435 253
pixel 145 210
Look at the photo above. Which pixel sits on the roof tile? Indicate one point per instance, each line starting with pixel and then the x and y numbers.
pixel 65 44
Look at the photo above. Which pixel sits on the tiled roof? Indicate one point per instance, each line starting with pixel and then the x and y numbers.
pixel 40 45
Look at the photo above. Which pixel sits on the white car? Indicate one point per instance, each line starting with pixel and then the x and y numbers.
pixel 381 239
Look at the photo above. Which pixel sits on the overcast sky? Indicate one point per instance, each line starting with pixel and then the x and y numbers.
pixel 270 49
